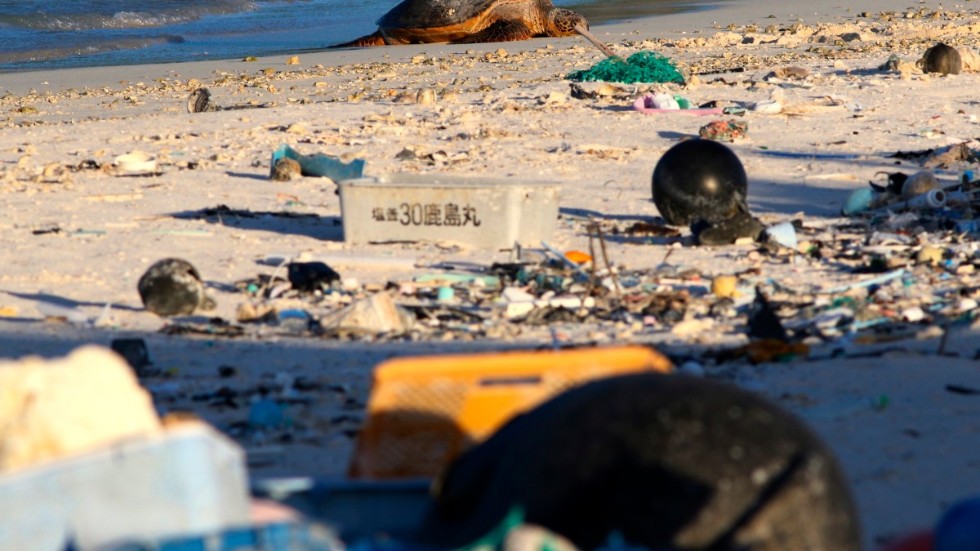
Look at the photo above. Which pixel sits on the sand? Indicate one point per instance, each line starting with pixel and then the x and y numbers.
pixel 76 239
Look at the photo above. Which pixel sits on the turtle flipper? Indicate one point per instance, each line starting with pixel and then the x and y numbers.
pixel 501 31
pixel 373 39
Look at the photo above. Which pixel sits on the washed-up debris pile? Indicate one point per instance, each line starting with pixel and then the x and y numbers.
pixel 889 277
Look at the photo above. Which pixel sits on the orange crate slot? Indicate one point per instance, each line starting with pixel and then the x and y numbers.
pixel 423 411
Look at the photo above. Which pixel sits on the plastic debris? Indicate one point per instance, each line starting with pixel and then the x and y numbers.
pixel 136 163
pixel 699 179
pixel 319 164
pixel 649 104
pixel 266 414
pixel 724 131
pixel 173 287
pixel 311 276
pixel 639 67
pixel 512 461
pixel 724 286
pixel 783 234
pixel 703 183
pixel 375 314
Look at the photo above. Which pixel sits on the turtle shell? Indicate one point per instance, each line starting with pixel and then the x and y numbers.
pixel 425 14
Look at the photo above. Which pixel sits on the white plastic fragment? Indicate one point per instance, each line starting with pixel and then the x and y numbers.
pixel 913 314
pixel 784 234
pixel 768 107
pixel 136 162
pixel 665 101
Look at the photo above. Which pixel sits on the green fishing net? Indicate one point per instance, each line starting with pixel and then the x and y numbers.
pixel 639 67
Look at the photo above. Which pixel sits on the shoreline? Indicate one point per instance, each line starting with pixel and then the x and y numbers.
pixel 676 25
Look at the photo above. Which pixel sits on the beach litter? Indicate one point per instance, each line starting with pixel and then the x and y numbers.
pixel 311 276
pixel 135 163
pixel 536 462
pixel 640 67
pixel 317 164
pixel 81 428
pixel 651 104
pixel 483 391
pixel 702 183
pixel 483 212
pixel 173 287
pixel 724 131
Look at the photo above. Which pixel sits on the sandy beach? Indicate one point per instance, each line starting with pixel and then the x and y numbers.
pixel 77 234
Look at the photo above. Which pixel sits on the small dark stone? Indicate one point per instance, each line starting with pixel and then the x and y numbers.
pixel 199 101
pixel 227 371
pixel 311 276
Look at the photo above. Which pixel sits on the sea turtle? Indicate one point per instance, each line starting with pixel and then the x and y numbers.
pixel 468 21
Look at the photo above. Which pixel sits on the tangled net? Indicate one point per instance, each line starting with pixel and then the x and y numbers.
pixel 639 67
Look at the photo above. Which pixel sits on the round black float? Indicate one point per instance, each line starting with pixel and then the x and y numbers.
pixel 699 180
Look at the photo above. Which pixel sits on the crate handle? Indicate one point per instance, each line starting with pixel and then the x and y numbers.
pixel 508 381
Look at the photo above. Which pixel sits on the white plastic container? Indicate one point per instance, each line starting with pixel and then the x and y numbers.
pixel 188 480
pixel 480 212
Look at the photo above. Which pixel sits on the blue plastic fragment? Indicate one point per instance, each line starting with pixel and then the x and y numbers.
pixel 957 529
pixel 266 414
pixel 968 226
pixel 858 201
pixel 320 164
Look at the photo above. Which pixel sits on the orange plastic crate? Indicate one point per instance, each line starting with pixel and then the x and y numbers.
pixel 423 411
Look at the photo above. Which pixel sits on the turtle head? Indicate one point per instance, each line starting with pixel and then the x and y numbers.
pixel 562 22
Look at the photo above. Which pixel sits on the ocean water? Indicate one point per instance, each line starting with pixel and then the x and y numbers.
pixel 47 34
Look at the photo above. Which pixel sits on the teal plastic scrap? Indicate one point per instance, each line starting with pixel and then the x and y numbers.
pixel 640 67
pixel 884 278
pixel 319 164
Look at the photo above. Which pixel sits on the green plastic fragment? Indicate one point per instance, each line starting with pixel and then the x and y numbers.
pixel 643 66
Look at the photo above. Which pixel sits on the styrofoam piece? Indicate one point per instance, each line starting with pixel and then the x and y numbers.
pixel 188 479
pixel 478 211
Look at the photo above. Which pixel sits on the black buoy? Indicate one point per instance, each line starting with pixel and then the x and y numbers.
pixel 664 461
pixel 173 287
pixel 699 180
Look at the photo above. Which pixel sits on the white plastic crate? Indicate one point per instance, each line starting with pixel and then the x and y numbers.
pixel 189 479
pixel 477 211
